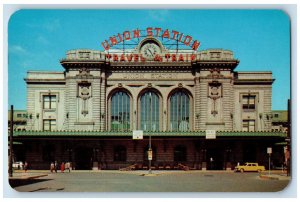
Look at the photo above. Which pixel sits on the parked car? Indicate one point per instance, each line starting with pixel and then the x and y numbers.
pixel 254 167
pixel 18 165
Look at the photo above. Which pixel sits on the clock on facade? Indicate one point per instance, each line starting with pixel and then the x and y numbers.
pixel 150 50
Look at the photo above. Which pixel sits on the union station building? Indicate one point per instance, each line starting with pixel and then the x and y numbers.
pixel 198 111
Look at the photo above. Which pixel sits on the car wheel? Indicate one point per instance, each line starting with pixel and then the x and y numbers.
pixel 242 170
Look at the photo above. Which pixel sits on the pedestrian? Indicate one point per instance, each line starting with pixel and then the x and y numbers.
pixel 52 167
pixel 211 163
pixel 62 167
pixel 55 166
pixel 25 166
pixel 67 166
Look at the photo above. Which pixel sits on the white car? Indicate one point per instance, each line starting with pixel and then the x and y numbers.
pixel 18 165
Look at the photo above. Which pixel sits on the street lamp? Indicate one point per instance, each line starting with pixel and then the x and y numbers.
pixel 150 149
pixel 11 132
pixel 69 150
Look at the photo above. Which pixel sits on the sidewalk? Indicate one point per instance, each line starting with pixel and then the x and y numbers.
pixel 22 175
pixel 30 174
pixel 275 175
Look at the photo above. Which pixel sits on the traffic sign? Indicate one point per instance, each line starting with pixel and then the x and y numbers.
pixel 150 154
pixel 137 134
pixel 210 134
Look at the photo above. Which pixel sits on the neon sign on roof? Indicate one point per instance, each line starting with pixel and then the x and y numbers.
pixel 151 32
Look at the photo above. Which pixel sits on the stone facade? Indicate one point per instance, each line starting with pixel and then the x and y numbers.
pixel 215 90
pixel 80 99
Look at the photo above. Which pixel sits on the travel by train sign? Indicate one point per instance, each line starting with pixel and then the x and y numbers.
pixel 180 57
pixel 157 32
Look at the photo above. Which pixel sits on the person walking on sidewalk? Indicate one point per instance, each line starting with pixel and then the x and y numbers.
pixel 25 166
pixel 52 167
pixel 67 166
pixel 55 166
pixel 62 167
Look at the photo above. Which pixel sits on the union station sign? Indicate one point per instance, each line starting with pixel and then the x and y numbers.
pixel 150 48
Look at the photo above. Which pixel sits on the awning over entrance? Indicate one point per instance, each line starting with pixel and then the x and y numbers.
pixel 155 134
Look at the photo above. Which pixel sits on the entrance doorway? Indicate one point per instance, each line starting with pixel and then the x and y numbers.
pixel 83 158
pixel 214 159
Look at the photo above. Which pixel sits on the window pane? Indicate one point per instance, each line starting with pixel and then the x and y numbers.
pixel 248 101
pixel 179 112
pixel 248 125
pixel 53 124
pixel 149 114
pixel 120 112
pixel 53 101
pixel 46 125
pixel 49 101
pixel 252 100
pixel 46 102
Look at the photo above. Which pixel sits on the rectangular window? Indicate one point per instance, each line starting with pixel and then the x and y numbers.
pixel 249 102
pixel 49 124
pixel 19 115
pixel 248 125
pixel 49 101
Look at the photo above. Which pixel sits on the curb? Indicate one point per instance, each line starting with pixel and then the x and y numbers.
pixel 269 177
pixel 27 177
pixel 149 175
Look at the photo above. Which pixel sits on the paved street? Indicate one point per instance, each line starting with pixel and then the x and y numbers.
pixel 161 181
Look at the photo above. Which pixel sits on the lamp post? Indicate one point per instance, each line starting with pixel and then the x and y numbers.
pixel 11 141
pixel 150 149
pixel 70 159
pixel 289 151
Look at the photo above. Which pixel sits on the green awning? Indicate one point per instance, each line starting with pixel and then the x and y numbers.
pixel 155 134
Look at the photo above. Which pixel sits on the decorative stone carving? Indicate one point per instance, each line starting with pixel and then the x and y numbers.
pixel 84 73
pixel 214 93
pixel 215 74
pixel 84 92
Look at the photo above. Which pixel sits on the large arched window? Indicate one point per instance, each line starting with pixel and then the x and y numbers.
pixel 120 111
pixel 149 112
pixel 179 112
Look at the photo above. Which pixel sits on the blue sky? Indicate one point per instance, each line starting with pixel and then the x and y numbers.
pixel 38 39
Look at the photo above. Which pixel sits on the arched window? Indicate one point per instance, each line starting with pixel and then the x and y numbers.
pixel 179 112
pixel 149 113
pixel 120 111
pixel 120 153
pixel 179 153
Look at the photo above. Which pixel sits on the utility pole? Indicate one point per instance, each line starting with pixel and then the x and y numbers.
pixel 289 155
pixel 150 149
pixel 10 169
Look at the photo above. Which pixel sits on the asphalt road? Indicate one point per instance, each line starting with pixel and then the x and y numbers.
pixel 132 181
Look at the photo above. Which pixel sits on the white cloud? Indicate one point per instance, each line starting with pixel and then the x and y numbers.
pixel 49 25
pixel 17 49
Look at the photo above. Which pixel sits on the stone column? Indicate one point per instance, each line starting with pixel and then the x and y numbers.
pixel 103 114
